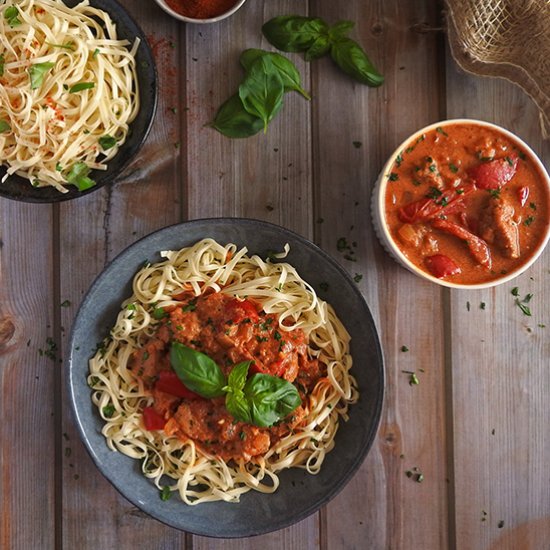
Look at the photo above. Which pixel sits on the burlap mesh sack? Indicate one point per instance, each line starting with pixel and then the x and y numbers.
pixel 506 38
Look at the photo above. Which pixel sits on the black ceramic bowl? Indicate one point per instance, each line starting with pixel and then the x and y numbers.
pixel 299 493
pixel 20 188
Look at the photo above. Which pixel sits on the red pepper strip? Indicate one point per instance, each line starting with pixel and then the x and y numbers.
pixel 478 247
pixel 152 419
pixel 427 209
pixel 441 266
pixel 495 173
pixel 240 310
pixel 523 195
pixel 169 382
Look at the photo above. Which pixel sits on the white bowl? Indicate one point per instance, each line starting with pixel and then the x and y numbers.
pixel 388 242
pixel 238 4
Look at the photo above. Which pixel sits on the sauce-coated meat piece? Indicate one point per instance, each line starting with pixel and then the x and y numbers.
pixel 497 226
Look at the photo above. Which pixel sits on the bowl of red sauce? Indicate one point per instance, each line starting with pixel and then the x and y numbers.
pixel 463 203
pixel 200 11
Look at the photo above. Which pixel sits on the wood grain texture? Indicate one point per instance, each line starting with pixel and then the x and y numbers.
pixel 27 377
pixel 382 505
pixel 147 197
pixel 500 375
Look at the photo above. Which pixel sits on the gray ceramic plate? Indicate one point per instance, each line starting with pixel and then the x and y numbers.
pixel 299 494
pixel 19 188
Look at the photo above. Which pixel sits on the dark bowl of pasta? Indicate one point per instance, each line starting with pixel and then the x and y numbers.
pixel 240 376
pixel 80 108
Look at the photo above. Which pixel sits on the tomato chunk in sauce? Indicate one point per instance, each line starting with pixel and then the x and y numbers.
pixel 470 194
pixel 229 331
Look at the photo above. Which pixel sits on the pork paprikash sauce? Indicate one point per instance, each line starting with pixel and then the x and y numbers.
pixel 466 204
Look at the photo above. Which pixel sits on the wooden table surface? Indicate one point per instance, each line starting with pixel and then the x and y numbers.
pixel 477 425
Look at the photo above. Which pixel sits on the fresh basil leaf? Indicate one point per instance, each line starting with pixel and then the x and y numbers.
pixel 271 399
pixel 37 72
pixel 340 30
pixel 238 406
pixel 81 86
pixel 232 120
pixel 107 142
pixel 319 48
pixel 2 61
pixel 197 371
pixel 4 126
pixel 78 175
pixel 294 33
pixel 352 59
pixel 292 80
pixel 11 15
pixel 68 46
pixel 237 377
pixel 262 91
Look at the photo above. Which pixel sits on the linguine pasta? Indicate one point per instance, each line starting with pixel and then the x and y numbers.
pixel 68 91
pixel 121 397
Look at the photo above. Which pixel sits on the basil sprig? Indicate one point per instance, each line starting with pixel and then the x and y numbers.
pixel 261 400
pixel 79 86
pixel 37 73
pixel 260 97
pixel 314 37
pixel 107 142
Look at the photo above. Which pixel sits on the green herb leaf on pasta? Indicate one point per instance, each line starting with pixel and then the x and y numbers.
pixel 4 126
pixel 78 175
pixel 2 62
pixel 37 73
pixel 81 86
pixel 11 15
pixel 107 142
pixel 197 371
pixel 271 399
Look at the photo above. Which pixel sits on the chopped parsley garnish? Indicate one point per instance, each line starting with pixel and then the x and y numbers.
pixel 453 168
pixel 4 126
pixel 67 46
pixel 107 142
pixel 529 221
pixel 509 161
pixel 532 206
pixel 37 73
pixel 515 291
pixel 399 159
pixel 191 306
pixel 459 191
pixel 159 313
pixel 357 278
pixel 131 307
pixel 482 305
pixel 96 52
pixel 66 303
pixel 11 16
pixel 404 349
pixel 357 144
pixel 58 167
pixel 392 176
pixel 165 493
pixel 441 131
pixel 78 175
pixel 524 308
pixel 108 411
pixel 2 61
pixel 433 193
pixel 81 86
pixel 495 193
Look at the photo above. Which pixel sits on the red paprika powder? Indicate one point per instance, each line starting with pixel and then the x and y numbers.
pixel 201 9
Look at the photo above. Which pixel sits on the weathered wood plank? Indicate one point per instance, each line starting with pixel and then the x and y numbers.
pixel 28 377
pixel 382 507
pixel 500 373
pixel 92 231
pixel 265 177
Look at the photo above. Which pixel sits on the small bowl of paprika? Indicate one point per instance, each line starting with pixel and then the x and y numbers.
pixel 200 11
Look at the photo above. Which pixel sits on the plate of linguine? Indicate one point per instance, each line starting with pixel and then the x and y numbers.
pixel 78 96
pixel 239 376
